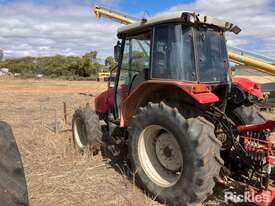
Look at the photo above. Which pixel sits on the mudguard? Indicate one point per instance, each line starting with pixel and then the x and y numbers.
pixel 248 86
pixel 199 92
pixel 104 101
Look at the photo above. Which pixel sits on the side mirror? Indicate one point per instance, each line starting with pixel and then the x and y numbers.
pixel 117 51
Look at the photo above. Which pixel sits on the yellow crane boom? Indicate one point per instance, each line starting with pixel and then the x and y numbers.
pixel 249 61
pixel 101 11
pixel 239 58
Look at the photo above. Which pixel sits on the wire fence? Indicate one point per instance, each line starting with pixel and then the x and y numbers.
pixel 53 112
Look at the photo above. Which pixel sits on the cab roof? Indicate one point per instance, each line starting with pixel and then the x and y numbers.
pixel 177 16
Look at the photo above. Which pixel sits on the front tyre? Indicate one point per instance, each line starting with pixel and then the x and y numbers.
pixel 86 129
pixel 174 158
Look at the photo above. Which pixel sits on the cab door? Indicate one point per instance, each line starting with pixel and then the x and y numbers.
pixel 134 67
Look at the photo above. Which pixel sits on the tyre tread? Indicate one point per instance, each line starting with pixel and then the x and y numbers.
pixel 206 148
pixel 13 187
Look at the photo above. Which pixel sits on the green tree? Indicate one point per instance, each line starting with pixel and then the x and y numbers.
pixel 56 66
pixel 89 61
pixel 109 61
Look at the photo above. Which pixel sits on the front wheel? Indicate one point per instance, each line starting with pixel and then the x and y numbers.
pixel 86 129
pixel 174 158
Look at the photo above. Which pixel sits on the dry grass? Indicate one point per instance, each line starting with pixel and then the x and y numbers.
pixel 56 173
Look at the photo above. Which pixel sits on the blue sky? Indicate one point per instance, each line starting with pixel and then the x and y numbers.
pixel 150 6
pixel 41 28
pixel 134 6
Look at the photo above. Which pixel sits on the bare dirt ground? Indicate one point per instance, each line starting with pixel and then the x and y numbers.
pixel 56 173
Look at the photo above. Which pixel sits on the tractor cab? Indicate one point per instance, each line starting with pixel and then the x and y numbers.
pixel 175 47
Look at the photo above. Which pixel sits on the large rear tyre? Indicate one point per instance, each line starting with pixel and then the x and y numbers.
pixel 86 129
pixel 13 187
pixel 176 159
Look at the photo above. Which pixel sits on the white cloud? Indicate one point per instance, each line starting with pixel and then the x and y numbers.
pixel 255 17
pixel 41 30
pixel 69 27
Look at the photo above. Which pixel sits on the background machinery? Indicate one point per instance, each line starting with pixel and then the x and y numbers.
pixel 102 76
pixel 176 114
pixel 257 68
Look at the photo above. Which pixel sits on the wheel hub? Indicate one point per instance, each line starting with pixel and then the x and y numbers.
pixel 160 156
pixel 167 151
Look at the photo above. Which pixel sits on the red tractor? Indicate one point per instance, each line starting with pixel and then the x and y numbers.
pixel 177 113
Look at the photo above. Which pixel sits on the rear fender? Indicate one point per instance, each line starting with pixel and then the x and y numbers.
pixel 248 86
pixel 198 92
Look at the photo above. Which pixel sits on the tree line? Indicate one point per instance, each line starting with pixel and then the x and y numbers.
pixel 59 66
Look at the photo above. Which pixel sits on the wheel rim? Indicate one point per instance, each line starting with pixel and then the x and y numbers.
pixel 80 133
pixel 160 156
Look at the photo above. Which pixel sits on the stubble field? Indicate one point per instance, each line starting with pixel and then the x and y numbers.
pixel 57 175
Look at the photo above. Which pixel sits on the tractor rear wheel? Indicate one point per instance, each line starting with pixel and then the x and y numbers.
pixel 13 187
pixel 176 159
pixel 86 129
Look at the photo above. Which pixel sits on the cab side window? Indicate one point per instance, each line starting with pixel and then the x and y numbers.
pixel 134 66
pixel 135 61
